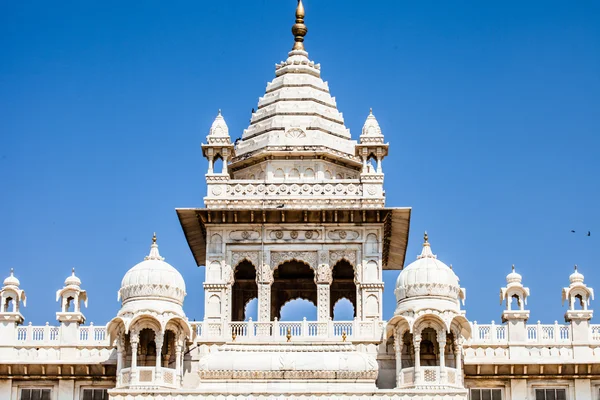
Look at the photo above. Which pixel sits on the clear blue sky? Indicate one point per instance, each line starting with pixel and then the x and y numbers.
pixel 491 109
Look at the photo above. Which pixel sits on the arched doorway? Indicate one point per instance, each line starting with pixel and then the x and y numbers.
pixel 244 289
pixel 342 286
pixel 292 280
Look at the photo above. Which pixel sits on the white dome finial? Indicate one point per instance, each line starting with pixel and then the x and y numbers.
pixel 154 254
pixel 72 279
pixel 371 129
pixel 576 276
pixel 513 277
pixel 426 252
pixel 11 280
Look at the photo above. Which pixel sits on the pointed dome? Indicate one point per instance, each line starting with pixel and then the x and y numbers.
pixel 513 277
pixel 297 108
pixel 576 277
pixel 72 280
pixel 427 276
pixel 371 131
pixel 218 128
pixel 153 279
pixel 11 280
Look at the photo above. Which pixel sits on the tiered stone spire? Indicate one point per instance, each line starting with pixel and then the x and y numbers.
pixel 154 254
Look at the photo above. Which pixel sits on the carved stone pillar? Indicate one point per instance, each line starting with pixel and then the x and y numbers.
pixel 158 340
pixel 225 159
pixel 417 347
pixel 398 353
pixel 441 337
pixel 264 280
pixel 458 359
pixel 134 339
pixel 178 361
pixel 323 279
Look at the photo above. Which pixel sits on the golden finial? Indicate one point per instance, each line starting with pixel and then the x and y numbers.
pixel 233 336
pixel 299 29
pixel 154 238
pixel 575 267
pixel 426 237
pixel 344 336
pixel 371 111
pixel 513 268
pixel 289 334
pixel 73 270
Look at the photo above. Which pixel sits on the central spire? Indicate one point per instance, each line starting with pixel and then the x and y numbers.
pixel 299 30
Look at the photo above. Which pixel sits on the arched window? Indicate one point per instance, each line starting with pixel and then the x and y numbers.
pixel 371 244
pixel 372 306
pixel 244 289
pixel 294 174
pixel 218 164
pixel 216 244
pixel 309 173
pixel 327 174
pixel 292 280
pixel 214 272
pixel 343 287
pixel 343 310
pixel 279 174
pixel 214 306
pixel 371 271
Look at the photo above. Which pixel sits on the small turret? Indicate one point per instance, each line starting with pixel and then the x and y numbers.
pixel 218 145
pixel 514 290
pixel 12 297
pixel 70 296
pixel 578 293
pixel 371 145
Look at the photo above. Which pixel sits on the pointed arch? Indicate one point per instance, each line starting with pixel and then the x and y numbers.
pixel 292 279
pixel 343 284
pixel 244 287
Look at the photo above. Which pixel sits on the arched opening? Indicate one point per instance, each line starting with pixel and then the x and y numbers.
pixel 69 305
pixel 168 350
pixel 279 174
pixel 343 310
pixel 408 350
pixel 343 286
pixel 292 280
pixel 579 300
pixel 515 302
pixel 8 305
pixel 251 310
pixel 218 164
pixel 147 348
pixel 327 174
pixel 295 310
pixel 244 289
pixel 429 351
pixel 294 174
pixel 309 173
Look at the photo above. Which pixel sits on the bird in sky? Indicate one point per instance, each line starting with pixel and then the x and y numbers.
pixel 572 231
pixel 589 233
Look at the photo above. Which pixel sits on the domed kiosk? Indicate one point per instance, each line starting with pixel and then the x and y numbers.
pixel 151 329
pixel 428 326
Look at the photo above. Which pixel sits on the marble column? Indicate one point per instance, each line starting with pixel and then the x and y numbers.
pixel 417 347
pixel 398 352
pixel 158 340
pixel 134 339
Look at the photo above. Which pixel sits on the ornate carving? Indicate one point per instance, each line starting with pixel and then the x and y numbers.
pixel 216 190
pixel 279 234
pixel 239 256
pixel 265 274
pixel 264 299
pixel 294 234
pixel 343 235
pixel 336 255
pixel 323 298
pixel 295 133
pixel 308 234
pixel 324 274
pixel 279 257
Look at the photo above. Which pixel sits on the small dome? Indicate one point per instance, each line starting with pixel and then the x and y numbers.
pixel 219 127
pixel 11 280
pixel 513 277
pixel 153 279
pixel 371 127
pixel 72 280
pixel 427 276
pixel 576 277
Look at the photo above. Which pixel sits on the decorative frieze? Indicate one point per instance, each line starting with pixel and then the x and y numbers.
pixel 308 257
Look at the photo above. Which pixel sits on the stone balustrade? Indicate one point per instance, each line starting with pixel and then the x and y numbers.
pixel 148 376
pixel 535 333
pixel 31 335
pixel 430 376
pixel 279 331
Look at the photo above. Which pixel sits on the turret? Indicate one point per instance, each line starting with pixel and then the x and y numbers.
pixel 218 146
pixel 11 297
pixel 578 295
pixel 515 314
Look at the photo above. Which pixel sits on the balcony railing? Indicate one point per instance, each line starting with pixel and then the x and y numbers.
pixel 535 333
pixel 50 335
pixel 293 331
pixel 148 376
pixel 429 376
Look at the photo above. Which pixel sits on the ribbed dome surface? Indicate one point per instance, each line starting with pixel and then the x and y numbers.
pixel 153 278
pixel 427 276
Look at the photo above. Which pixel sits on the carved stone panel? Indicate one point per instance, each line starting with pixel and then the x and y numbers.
pixel 308 257
pixel 341 234
pixel 239 256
